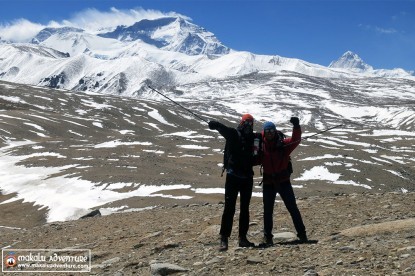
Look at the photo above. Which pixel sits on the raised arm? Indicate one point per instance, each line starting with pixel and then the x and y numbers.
pixel 295 138
pixel 225 131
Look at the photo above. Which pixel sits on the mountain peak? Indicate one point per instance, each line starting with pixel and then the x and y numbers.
pixel 172 34
pixel 350 60
pixel 48 32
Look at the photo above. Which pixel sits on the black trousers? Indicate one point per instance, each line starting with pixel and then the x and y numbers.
pixel 233 186
pixel 285 190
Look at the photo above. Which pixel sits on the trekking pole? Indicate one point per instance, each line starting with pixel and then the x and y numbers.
pixel 191 112
pixel 313 135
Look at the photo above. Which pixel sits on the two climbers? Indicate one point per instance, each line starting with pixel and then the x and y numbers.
pixel 240 156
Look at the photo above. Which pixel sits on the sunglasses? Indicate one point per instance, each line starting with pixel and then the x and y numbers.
pixel 248 123
pixel 269 130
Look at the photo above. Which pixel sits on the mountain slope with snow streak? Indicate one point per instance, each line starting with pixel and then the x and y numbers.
pixel 124 153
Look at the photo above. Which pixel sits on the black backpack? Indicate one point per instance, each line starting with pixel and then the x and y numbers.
pixel 227 152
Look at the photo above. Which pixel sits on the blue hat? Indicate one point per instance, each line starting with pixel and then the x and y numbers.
pixel 269 125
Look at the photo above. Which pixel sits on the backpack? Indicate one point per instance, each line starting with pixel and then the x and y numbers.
pixel 227 152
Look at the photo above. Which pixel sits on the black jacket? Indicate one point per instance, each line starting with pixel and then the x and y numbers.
pixel 238 151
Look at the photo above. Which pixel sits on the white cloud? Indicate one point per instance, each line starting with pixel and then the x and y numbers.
pixel 95 20
pixel 385 30
pixel 379 30
pixel 92 20
pixel 20 30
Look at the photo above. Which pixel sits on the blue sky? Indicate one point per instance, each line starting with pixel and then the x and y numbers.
pixel 382 33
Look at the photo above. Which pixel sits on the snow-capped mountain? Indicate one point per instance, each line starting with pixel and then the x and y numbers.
pixel 167 51
pixel 171 34
pixel 350 60
pixel 48 32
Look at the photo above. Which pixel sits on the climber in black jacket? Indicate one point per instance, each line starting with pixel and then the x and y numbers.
pixel 238 162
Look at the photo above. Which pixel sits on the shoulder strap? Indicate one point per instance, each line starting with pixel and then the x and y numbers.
pixel 226 153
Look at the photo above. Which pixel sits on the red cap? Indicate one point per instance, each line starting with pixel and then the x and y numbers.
pixel 247 117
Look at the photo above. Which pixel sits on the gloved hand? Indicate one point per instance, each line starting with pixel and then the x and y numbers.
pixel 213 125
pixel 295 121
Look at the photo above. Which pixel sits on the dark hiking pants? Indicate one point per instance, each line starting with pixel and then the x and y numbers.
pixel 286 193
pixel 233 186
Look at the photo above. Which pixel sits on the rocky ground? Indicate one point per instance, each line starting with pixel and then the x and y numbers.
pixel 355 234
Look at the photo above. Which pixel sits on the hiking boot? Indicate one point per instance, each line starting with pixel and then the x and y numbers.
pixel 223 244
pixel 243 242
pixel 302 237
pixel 267 242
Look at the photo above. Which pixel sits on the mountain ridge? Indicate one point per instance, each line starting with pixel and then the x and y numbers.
pixel 184 51
pixel 171 34
pixel 48 32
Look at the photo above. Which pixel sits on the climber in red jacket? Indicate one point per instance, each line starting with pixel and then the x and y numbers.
pixel 277 168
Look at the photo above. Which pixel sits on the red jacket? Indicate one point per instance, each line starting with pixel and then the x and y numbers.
pixel 275 159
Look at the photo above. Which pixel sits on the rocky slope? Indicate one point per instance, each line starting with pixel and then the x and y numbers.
pixel 355 234
pixel 360 218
